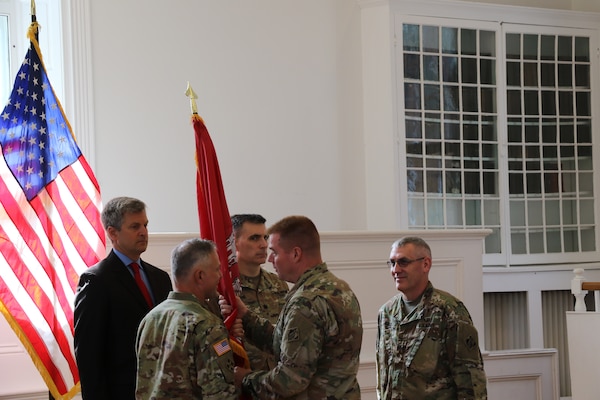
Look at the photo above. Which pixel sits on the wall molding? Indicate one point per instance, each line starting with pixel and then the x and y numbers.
pixel 358 258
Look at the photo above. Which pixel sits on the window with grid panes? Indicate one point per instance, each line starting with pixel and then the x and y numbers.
pixel 550 168
pixel 539 198
pixel 451 128
pixel 4 58
pixel 15 18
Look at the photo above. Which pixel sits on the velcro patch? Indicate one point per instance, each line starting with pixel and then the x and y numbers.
pixel 467 345
pixel 293 335
pixel 222 347
pixel 471 343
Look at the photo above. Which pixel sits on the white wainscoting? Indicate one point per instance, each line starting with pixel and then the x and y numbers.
pixel 584 348
pixel 359 258
pixel 522 374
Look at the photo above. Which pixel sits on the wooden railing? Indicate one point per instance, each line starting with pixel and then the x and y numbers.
pixel 582 328
pixel 580 288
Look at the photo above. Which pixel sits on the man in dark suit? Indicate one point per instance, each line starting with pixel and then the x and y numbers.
pixel 112 298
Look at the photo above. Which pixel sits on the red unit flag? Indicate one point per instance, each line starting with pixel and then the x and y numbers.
pixel 215 221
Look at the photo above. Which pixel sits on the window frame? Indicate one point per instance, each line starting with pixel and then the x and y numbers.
pixel 49 17
pixel 65 42
pixel 510 19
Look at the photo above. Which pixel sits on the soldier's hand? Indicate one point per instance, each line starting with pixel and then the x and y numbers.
pixel 237 329
pixel 239 373
pixel 227 309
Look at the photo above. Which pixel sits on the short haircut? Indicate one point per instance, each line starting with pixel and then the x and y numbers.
pixel 415 241
pixel 238 220
pixel 114 211
pixel 297 230
pixel 188 253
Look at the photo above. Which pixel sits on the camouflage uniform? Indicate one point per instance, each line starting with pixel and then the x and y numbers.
pixel 183 352
pixel 265 298
pixel 317 342
pixel 431 353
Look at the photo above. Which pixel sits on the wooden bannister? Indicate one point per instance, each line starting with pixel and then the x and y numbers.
pixel 580 287
pixel 584 347
pixel 590 285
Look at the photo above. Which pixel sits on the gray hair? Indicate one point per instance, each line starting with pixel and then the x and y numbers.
pixel 415 241
pixel 188 253
pixel 114 211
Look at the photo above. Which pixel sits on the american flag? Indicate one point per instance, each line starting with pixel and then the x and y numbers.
pixel 221 347
pixel 50 228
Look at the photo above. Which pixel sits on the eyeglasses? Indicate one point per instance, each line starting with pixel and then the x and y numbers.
pixel 403 262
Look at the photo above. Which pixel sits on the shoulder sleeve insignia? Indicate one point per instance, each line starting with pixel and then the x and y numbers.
pixel 293 335
pixel 470 342
pixel 221 347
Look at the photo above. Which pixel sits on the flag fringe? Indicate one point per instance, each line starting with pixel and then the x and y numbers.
pixel 240 351
pixel 196 117
pixel 36 359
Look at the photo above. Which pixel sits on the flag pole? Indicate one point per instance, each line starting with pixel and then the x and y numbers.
pixel 189 92
pixel 33 21
pixel 215 221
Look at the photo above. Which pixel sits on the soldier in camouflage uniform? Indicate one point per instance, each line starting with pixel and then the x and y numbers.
pixel 318 336
pixel 262 291
pixel 427 347
pixel 183 349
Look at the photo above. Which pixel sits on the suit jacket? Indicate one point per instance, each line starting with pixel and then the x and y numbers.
pixel 108 309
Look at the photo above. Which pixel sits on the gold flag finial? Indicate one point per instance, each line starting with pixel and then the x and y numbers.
pixel 32 8
pixel 192 95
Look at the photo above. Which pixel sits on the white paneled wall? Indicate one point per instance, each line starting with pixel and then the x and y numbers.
pixel 359 258
pixel 584 347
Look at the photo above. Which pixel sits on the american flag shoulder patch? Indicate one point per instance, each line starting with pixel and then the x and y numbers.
pixel 222 347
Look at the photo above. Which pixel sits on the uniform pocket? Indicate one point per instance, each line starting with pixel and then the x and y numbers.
pixel 426 358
